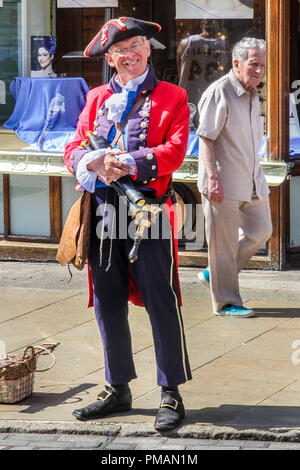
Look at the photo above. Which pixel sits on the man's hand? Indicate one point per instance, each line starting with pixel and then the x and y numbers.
pixel 215 189
pixel 207 153
pixel 108 168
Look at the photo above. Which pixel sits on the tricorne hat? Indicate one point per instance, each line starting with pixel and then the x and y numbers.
pixel 117 30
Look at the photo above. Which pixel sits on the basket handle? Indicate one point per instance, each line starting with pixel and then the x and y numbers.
pixel 31 348
pixel 48 352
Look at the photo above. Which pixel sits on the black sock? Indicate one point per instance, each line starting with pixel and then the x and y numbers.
pixel 172 390
pixel 168 388
pixel 119 388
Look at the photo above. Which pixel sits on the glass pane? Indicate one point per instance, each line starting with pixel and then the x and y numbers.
pixel 69 195
pixel 10 53
pixel 204 46
pixel 295 83
pixel 75 28
pixel 294 211
pixel 1 206
pixel 29 205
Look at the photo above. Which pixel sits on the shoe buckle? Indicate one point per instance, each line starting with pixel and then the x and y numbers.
pixel 168 405
pixel 105 397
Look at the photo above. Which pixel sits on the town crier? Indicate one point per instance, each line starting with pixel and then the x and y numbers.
pixel 152 146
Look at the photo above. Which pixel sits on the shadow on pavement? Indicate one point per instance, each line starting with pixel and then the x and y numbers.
pixel 277 312
pixel 41 401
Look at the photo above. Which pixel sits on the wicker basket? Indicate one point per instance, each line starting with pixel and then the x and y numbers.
pixel 17 372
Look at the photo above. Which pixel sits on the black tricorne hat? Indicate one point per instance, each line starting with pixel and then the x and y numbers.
pixel 117 30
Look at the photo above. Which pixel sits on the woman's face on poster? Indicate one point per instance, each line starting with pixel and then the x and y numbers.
pixel 44 57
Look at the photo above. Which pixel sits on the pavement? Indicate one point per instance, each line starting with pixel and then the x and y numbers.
pixel 246 372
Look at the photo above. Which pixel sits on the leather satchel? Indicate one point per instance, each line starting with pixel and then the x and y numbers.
pixel 74 243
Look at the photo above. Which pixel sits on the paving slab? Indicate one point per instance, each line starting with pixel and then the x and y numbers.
pixel 246 372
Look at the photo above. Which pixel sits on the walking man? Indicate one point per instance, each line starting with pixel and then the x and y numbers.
pixel 233 187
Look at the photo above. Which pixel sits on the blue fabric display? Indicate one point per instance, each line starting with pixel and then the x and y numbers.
pixel 193 146
pixel 47 110
pixel 294 148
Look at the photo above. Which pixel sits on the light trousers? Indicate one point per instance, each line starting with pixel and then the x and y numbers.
pixel 235 231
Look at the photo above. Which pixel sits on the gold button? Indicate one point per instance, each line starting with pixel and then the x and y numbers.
pixel 145 114
pixel 143 125
pixel 149 156
pixel 100 112
pixel 72 157
pixel 141 147
pixel 153 167
pixel 145 182
pixel 142 136
pixel 153 179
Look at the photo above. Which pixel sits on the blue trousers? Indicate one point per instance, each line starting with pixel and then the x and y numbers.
pixel 153 273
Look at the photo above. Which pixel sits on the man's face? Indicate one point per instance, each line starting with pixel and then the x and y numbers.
pixel 251 71
pixel 129 57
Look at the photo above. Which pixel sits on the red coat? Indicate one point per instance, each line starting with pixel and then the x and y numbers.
pixel 166 139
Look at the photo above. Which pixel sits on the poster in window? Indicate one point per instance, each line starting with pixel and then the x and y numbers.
pixel 86 3
pixel 214 9
pixel 43 56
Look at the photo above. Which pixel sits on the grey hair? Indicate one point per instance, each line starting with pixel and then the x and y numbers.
pixel 241 48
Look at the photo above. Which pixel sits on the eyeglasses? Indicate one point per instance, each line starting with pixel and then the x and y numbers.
pixel 130 50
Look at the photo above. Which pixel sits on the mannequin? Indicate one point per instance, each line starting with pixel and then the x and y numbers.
pixel 201 59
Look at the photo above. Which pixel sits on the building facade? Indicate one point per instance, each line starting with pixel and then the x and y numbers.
pixel 44 78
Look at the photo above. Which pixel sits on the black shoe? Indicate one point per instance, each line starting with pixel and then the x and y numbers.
pixel 109 401
pixel 170 413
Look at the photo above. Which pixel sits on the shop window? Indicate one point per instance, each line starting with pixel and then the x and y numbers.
pixel 295 82
pixel 68 196
pixel 1 206
pixel 29 205
pixel 294 212
pixel 10 53
pixel 204 45
pixel 76 27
